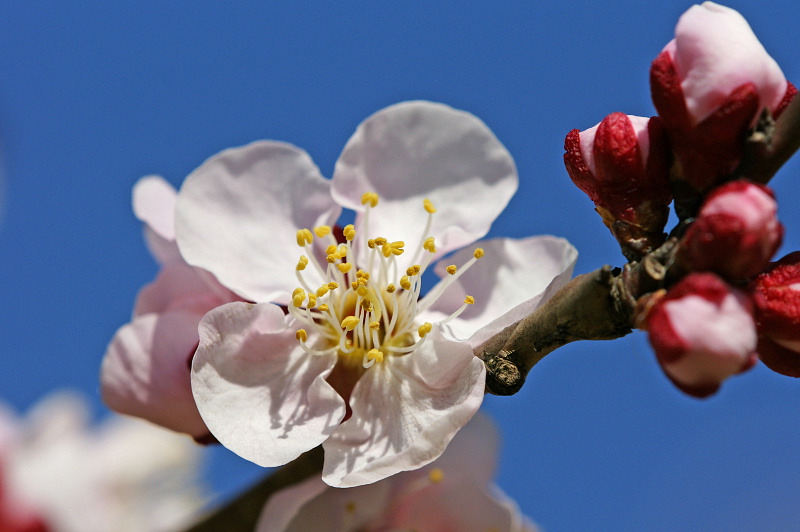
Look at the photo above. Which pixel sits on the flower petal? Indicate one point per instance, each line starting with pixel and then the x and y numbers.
pixel 416 150
pixel 180 287
pixel 154 205
pixel 313 505
pixel 512 280
pixel 238 216
pixel 145 371
pixel 260 394
pixel 405 412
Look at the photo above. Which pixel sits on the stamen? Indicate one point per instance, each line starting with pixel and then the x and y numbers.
pixel 452 269
pixel 393 248
pixel 405 283
pixel 469 300
pixel 350 323
pixel 344 267
pixel 301 335
pixel 424 329
pixel 302 263
pixel 390 288
pixel 323 308
pixel 478 253
pixel 436 475
pixel 428 204
pixel 298 296
pixel 429 244
pixel 322 230
pixel 304 237
pixel 371 198
pixel 349 232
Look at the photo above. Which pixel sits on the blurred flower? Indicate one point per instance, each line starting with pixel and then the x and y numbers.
pixel 702 332
pixel 736 232
pixel 776 294
pixel 145 371
pixel 59 475
pixel 358 361
pixel 622 163
pixel 709 85
pixel 452 493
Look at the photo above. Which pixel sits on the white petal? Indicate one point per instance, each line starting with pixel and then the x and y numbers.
pixel 238 216
pixel 154 204
pixel 260 394
pixel 512 280
pixel 405 412
pixel 145 371
pixel 180 287
pixel 417 150
pixel 313 505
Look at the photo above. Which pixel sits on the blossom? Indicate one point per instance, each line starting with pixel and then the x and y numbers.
pixel 340 347
pixel 702 332
pixel 776 294
pixel 709 85
pixel 736 232
pixel 59 475
pixel 622 163
pixel 145 371
pixel 452 493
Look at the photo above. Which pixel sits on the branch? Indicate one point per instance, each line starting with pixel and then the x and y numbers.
pixel 241 514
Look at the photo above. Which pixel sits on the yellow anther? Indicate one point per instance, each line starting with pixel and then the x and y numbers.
pixel 342 251
pixel 393 248
pixel 349 231
pixel 323 308
pixel 428 204
pixel 413 270
pixel 350 323
pixel 436 475
pixel 361 274
pixel 371 243
pixel 375 354
pixel 405 283
pixel 312 301
pixel 429 244
pixel 391 288
pixel 380 241
pixel 354 285
pixel 330 250
pixel 333 285
pixel 367 306
pixel 362 291
pixel 451 269
pixel 469 300
pixel 371 198
pixel 322 230
pixel 331 259
pixel 298 290
pixel 478 253
pixel 322 290
pixel 298 297
pixel 424 329
pixel 344 267
pixel 304 236
pixel 374 325
pixel 301 335
pixel 302 263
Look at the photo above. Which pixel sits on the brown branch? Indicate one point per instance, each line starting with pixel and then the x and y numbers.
pixel 241 514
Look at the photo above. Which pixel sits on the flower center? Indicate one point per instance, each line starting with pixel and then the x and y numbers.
pixel 365 312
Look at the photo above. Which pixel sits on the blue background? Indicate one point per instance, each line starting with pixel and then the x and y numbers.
pixel 94 95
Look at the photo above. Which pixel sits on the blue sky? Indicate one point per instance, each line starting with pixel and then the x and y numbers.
pixel 94 95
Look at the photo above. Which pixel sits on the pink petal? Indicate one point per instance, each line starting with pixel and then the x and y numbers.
pixel 180 287
pixel 260 394
pixel 405 412
pixel 154 204
pixel 715 51
pixel 145 372
pixel 239 212
pixel 417 150
pixel 512 280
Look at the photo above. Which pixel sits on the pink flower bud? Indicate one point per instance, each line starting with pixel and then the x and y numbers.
pixel 776 294
pixel 709 85
pixel 702 332
pixel 622 164
pixel 736 232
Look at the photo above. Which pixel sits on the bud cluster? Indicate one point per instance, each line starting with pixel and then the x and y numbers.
pixel 721 305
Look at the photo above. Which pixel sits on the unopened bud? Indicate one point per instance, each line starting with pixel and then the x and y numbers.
pixel 623 165
pixel 709 86
pixel 702 332
pixel 776 294
pixel 736 232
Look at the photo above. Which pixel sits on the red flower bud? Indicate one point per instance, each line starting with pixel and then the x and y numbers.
pixel 702 332
pixel 709 85
pixel 776 294
pixel 736 232
pixel 622 164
